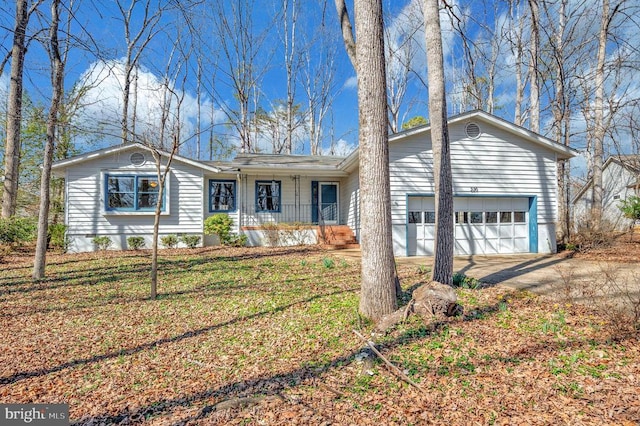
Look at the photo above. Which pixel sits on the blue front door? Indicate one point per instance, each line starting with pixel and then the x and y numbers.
pixel 328 202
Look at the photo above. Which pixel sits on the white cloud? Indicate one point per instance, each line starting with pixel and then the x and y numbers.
pixel 340 148
pixel 154 100
pixel 351 83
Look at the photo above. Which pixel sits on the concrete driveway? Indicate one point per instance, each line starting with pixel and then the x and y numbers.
pixel 545 274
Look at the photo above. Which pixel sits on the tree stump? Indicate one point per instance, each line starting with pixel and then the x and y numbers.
pixel 430 300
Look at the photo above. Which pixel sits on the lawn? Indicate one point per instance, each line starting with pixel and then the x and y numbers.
pixel 265 336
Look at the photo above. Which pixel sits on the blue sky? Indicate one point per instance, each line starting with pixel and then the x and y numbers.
pixel 98 28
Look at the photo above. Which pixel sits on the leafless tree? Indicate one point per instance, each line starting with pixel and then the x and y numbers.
pixel 14 107
pixel 443 262
pixel 57 83
pixel 244 57
pixel 148 26
pixel 318 76
pixel 534 69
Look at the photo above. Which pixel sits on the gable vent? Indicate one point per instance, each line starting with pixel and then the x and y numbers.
pixel 137 159
pixel 472 130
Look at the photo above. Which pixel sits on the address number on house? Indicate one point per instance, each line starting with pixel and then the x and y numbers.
pixel 474 189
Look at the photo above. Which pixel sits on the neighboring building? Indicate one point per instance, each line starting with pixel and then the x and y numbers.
pixel 620 180
pixel 504 183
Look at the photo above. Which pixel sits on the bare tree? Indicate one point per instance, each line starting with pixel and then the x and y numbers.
pixel 242 64
pixel 57 83
pixel 400 53
pixel 319 82
pixel 378 294
pixel 14 108
pixel 534 69
pixel 148 27
pixel 443 262
pixel 598 116
pixel 165 139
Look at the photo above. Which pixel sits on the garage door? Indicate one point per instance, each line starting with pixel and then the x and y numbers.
pixel 483 225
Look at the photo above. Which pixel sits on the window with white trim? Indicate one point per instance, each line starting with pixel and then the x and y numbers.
pixel 131 193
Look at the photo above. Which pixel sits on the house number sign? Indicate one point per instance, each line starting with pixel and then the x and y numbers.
pixel 474 189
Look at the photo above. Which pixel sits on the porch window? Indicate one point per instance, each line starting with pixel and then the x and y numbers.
pixel 131 193
pixel 222 195
pixel 268 196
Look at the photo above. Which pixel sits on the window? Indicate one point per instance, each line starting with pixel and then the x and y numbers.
pixel 476 217
pixel 519 217
pixel 222 195
pixel 505 217
pixel 415 217
pixel 462 217
pixel 491 217
pixel 429 217
pixel 131 193
pixel 268 196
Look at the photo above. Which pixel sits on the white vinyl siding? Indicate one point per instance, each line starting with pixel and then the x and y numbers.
pixel 616 180
pixel 495 163
pixel 85 203
pixel 350 202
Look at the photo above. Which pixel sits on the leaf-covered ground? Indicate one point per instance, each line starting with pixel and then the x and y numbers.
pixel 265 337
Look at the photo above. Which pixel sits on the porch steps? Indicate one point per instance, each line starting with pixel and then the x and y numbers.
pixel 337 237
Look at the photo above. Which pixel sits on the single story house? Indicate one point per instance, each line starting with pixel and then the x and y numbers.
pixel 504 182
pixel 620 180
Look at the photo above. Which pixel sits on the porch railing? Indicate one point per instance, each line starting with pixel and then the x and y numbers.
pixel 289 213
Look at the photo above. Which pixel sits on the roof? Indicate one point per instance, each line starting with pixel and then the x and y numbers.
pixel 61 165
pixel 629 162
pixel 563 152
pixel 270 163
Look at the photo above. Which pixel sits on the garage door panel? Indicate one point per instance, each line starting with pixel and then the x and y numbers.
pixel 491 246
pixel 491 232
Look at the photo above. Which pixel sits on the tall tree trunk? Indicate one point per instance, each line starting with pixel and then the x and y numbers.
pixel 14 112
pixel 378 294
pixel 560 109
pixel 598 118
pixel 57 74
pixel 534 82
pixel 443 261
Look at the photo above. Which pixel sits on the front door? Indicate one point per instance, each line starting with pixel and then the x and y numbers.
pixel 328 202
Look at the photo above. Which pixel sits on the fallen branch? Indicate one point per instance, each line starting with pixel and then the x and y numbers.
pixel 392 367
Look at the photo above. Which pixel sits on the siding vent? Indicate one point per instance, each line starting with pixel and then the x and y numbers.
pixel 472 130
pixel 137 159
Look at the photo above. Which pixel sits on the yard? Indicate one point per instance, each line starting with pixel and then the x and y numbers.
pixel 265 336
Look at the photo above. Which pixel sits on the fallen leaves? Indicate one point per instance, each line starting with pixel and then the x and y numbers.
pixel 222 347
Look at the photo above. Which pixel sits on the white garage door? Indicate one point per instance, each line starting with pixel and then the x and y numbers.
pixel 497 225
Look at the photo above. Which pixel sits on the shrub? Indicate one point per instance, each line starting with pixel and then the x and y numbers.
pixel 17 230
pixel 237 240
pixel 57 238
pixel 169 241
pixel 630 208
pixel 220 224
pixel 135 243
pixel 191 241
pixel 102 243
